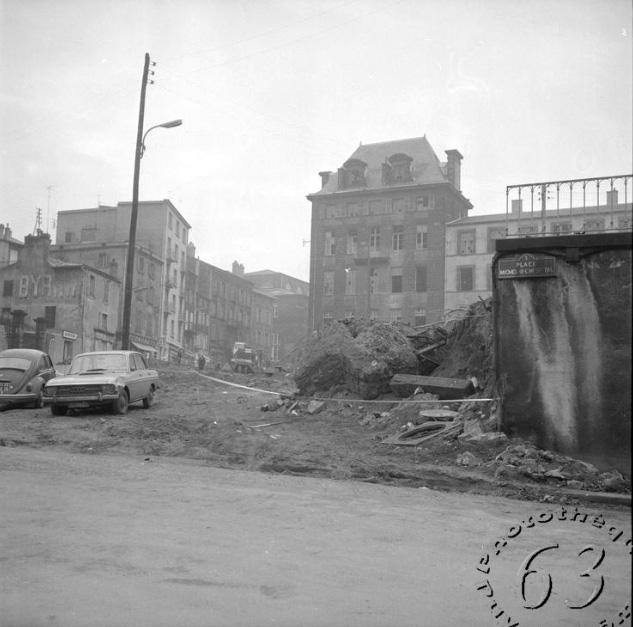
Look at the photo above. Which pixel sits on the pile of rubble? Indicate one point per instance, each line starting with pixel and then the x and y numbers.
pixel 456 405
pixel 478 444
pixel 362 355
pixel 365 355
pixel 523 460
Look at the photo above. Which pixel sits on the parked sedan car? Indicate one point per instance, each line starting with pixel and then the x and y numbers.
pixel 23 373
pixel 109 379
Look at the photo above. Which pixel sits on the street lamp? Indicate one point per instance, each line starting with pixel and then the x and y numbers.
pixel 151 128
pixel 129 270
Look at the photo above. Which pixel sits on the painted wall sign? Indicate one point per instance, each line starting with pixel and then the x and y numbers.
pixel 69 335
pixel 141 339
pixel 526 266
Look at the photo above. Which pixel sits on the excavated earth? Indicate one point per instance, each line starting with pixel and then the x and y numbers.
pixel 336 417
pixel 200 417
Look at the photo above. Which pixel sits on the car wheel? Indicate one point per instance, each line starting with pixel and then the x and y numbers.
pixel 38 403
pixel 120 405
pixel 57 410
pixel 148 401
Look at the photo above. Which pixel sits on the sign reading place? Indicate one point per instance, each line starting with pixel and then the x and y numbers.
pixel 526 266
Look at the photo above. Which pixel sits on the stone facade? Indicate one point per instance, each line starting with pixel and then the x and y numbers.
pixel 378 234
pixel 471 241
pixel 290 311
pixel 59 307
pixel 99 236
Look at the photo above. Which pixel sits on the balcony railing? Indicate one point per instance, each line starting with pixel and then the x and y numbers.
pixel 571 207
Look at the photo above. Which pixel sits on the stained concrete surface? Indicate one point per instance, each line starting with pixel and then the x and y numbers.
pixel 112 540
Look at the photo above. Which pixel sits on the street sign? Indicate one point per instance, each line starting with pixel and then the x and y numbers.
pixel 527 266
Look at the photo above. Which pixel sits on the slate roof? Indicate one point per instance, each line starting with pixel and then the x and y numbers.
pixel 426 168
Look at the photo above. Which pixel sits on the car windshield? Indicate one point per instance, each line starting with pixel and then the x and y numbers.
pixel 88 364
pixel 14 363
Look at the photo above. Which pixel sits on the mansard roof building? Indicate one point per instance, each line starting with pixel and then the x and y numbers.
pixel 378 233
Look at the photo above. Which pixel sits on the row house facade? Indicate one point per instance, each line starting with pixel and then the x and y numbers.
pixel 290 310
pixel 99 236
pixel 262 336
pixel 182 306
pixel 226 307
pixel 378 231
pixel 9 246
pixel 219 310
pixel 550 209
pixel 60 307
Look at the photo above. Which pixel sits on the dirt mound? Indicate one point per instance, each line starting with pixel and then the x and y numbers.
pixel 468 351
pixel 363 355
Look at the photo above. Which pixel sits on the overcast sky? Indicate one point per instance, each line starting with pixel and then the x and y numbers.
pixel 273 91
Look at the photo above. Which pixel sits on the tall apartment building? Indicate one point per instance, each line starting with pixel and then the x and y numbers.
pixel 290 310
pixel 378 233
pixel 558 208
pixel 99 237
pixel 262 338
pixel 219 312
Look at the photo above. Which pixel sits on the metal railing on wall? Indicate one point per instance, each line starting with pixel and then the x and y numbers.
pixel 569 207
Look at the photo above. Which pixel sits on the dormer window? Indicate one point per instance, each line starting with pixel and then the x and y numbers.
pixel 352 174
pixel 399 168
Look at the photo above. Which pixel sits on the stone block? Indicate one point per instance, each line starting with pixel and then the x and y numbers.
pixel 405 385
pixel 314 407
pixel 467 459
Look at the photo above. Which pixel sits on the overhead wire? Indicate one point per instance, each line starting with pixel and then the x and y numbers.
pixel 260 35
pixel 290 42
pixel 292 137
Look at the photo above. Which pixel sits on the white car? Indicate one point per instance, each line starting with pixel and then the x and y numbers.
pixel 110 379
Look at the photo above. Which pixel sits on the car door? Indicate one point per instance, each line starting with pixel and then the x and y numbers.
pixel 138 383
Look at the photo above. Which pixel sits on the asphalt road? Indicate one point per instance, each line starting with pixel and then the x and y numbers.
pixel 101 540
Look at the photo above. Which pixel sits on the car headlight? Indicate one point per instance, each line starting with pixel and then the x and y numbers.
pixel 108 389
pixel 49 391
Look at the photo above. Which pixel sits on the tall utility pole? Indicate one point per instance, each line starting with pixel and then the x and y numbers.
pixel 129 269
pixel 38 221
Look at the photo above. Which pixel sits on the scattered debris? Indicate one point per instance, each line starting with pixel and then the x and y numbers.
pixel 468 459
pixel 473 429
pixel 273 405
pixel 445 415
pixel 270 424
pixel 612 481
pixel 314 407
pixel 418 435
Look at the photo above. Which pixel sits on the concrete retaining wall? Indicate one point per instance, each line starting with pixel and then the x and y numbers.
pixel 563 344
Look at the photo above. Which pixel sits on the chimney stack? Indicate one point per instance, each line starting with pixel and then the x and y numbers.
pixel 37 246
pixel 454 167
pixel 325 177
pixel 238 269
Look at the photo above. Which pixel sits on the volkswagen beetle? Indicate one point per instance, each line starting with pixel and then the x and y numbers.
pixel 23 373
pixel 109 379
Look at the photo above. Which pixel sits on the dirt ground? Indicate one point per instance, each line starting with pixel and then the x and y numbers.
pixel 112 540
pixel 223 425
